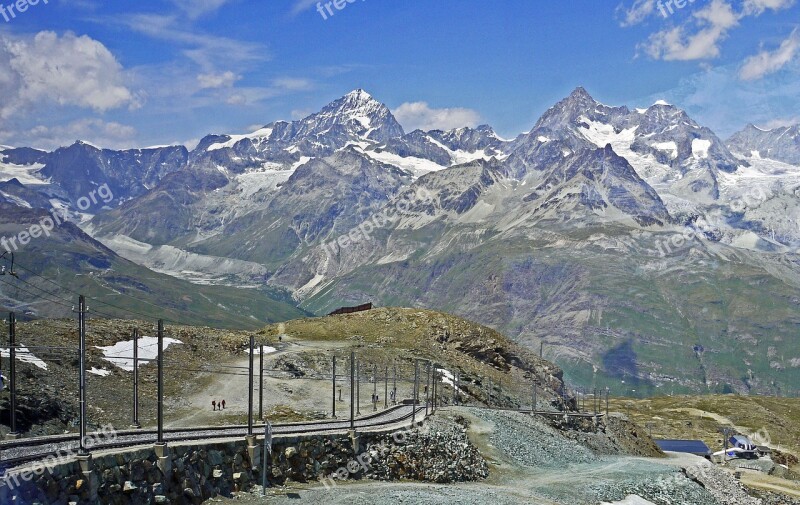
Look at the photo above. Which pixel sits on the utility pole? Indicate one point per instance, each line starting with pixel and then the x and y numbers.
pixel 12 346
pixel 386 388
pixel 261 383
pixel 161 382
pixel 394 385
pixel 456 384
pixel 414 393
pixel 433 397
pixel 136 424
pixel 333 403
pixel 427 388
pixel 374 388
pixel 358 388
pixel 250 388
pixel 352 389
pixel 82 377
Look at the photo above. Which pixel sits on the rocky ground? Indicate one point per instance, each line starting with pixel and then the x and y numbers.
pixel 532 461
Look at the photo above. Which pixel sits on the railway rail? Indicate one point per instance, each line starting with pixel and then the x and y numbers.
pixel 17 453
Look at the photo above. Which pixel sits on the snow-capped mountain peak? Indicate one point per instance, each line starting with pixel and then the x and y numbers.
pixel 780 144
pixel 358 111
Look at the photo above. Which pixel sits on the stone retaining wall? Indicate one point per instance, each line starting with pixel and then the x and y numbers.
pixel 193 473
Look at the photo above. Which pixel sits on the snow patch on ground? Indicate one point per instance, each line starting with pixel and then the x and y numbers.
pixel 25 174
pixel 102 372
pixel 303 160
pixel 257 350
pixel 24 355
pixel 416 166
pixel 267 179
pixel 448 378
pixel 671 146
pixel 700 148
pixel 121 353
pixel 601 134
pixel 262 133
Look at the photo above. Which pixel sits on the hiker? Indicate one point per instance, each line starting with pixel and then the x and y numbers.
pixel 223 404
pixel 214 405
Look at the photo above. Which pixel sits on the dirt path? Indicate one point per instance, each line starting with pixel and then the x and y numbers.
pixel 769 483
pixel 281 391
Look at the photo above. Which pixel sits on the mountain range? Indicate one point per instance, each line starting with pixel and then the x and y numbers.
pixel 635 247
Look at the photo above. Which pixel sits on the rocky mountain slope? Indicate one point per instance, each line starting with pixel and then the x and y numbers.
pixel 781 144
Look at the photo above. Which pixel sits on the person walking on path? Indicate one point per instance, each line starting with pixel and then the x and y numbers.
pixel 214 405
pixel 223 404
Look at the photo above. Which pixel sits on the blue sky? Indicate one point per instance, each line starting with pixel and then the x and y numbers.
pixel 151 72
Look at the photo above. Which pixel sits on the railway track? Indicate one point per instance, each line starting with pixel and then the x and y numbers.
pixel 16 453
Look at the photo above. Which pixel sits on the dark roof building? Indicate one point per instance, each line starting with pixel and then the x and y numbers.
pixel 696 447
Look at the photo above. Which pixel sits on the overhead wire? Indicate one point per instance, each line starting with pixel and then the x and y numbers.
pixel 129 311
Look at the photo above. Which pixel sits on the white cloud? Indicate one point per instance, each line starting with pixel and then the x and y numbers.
pixel 236 99
pixel 419 115
pixel 301 113
pixel 208 51
pixel 758 7
pixel 67 70
pixel 779 123
pixel 712 24
pixel 276 87
pixel 707 97
pixel 766 62
pixel 292 84
pixel 699 36
pixel 301 5
pixel 638 12
pixel 213 81
pixel 96 131
pixel 197 8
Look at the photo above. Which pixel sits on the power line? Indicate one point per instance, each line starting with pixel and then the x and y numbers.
pixel 129 311
pixel 59 302
pixel 75 292
pixel 55 295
